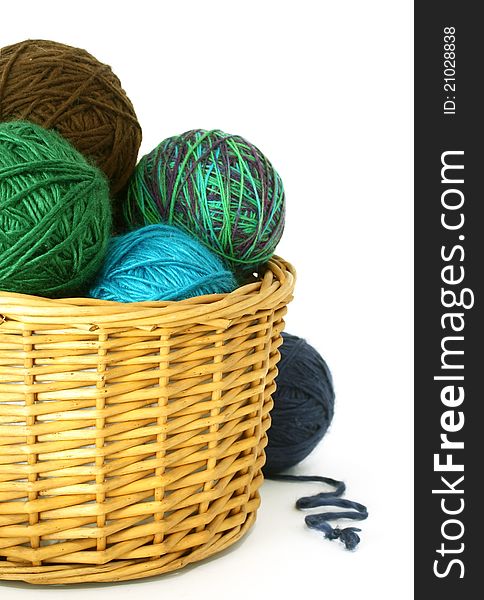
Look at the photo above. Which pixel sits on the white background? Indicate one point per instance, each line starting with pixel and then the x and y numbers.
pixel 325 89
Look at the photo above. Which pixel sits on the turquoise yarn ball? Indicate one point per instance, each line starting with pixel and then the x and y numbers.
pixel 55 213
pixel 160 262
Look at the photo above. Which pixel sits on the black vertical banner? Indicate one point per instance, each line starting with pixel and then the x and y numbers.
pixel 449 270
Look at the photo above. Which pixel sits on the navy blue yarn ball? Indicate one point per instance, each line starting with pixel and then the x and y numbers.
pixel 303 405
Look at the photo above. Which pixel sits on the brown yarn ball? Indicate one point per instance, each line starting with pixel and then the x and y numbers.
pixel 67 89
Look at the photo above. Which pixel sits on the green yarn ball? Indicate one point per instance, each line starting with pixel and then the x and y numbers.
pixel 218 187
pixel 55 215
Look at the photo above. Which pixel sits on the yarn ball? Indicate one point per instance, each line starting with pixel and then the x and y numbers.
pixel 303 405
pixel 160 262
pixel 67 89
pixel 55 215
pixel 217 186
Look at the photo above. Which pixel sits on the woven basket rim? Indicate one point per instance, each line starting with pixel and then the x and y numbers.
pixel 272 289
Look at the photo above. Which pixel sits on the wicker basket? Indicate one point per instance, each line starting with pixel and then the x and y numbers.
pixel 132 436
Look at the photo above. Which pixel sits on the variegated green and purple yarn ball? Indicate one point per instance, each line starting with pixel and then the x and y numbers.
pixel 55 214
pixel 217 186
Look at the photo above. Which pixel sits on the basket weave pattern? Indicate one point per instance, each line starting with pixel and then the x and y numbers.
pixel 132 436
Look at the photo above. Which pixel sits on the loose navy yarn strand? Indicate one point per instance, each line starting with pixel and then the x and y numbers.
pixel 320 521
pixel 339 486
